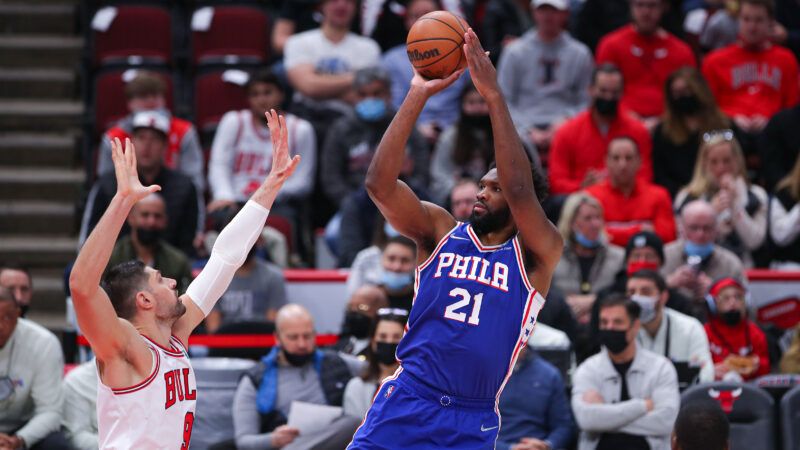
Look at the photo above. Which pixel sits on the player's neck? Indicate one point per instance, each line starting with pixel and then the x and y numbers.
pixel 157 332
pixel 496 237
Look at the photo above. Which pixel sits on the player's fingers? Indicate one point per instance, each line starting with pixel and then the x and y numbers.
pixel 153 188
pixel 130 150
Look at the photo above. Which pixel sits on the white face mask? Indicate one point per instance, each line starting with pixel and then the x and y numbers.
pixel 648 305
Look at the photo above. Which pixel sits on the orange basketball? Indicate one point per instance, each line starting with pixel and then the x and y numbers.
pixel 435 44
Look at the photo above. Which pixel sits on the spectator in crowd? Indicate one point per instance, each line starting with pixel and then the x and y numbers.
pixel 597 18
pixel 295 17
pixel 31 393
pixel 360 318
pixel 542 424
pixel 504 21
pixel 295 370
pixel 779 146
pixel 711 25
pixel 387 21
pixel 80 406
pixel 578 151
pixel 462 198
pixel 784 224
pixel 790 362
pixel 465 149
pixel 441 111
pixel 557 314
pixel 241 154
pixel 679 337
pixel 740 207
pixel 17 279
pixel 381 361
pixel 184 205
pixel 398 260
pixel 321 64
pixel 738 346
pixel 701 425
pixel 625 396
pixel 589 262
pixel 147 221
pixel 692 262
pixel 541 96
pixel 630 204
pixel 146 92
pixel 646 54
pixel 753 79
pixel 690 111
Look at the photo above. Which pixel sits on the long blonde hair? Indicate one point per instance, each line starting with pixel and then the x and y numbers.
pixel 792 181
pixel 711 117
pixel 701 182
pixel 570 210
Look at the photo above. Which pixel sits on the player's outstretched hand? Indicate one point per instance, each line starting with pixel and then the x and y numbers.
pixel 128 184
pixel 431 87
pixel 282 165
pixel 481 69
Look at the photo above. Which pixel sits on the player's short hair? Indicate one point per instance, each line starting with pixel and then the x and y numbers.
pixel 631 307
pixel 7 296
pixel 608 69
pixel 121 283
pixel 540 185
pixel 264 76
pixel 652 275
pixel 769 5
pixel 13 265
pixel 144 84
pixel 702 425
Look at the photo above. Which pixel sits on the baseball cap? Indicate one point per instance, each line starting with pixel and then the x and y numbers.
pixel 151 119
pixel 645 239
pixel 561 5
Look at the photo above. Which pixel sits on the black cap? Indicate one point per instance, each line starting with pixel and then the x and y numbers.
pixel 645 239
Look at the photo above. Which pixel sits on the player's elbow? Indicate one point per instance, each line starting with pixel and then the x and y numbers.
pixel 78 287
pixel 376 187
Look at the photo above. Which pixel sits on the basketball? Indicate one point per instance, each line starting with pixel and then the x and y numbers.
pixel 435 44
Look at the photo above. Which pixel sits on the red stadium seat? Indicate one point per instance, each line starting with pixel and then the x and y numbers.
pixel 110 103
pixel 213 97
pixel 135 35
pixel 235 35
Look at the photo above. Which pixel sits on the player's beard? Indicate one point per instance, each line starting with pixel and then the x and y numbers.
pixel 490 221
pixel 179 309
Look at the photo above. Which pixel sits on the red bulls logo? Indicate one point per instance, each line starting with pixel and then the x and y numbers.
pixel 726 399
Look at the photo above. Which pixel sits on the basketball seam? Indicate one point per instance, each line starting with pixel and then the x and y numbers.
pixel 448 25
pixel 432 39
pixel 457 47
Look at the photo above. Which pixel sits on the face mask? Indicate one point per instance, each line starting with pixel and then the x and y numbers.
pixel 390 231
pixel 395 281
pixel 385 352
pixel 606 107
pixel 371 109
pixel 356 325
pixel 476 121
pixel 297 359
pixel 648 305
pixel 701 250
pixel 732 318
pixel 613 340
pixel 686 104
pixel 148 238
pixel 584 241
pixel 635 266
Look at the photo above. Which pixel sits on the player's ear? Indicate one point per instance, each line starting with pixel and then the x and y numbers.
pixel 145 300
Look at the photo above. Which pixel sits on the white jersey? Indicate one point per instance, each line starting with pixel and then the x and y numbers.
pixel 157 413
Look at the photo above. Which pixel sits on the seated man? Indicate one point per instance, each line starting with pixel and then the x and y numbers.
pixel 542 424
pixel 738 346
pixel 679 337
pixel 624 397
pixel 701 425
pixel 692 262
pixel 295 370
pixel 630 204
pixel 359 319
pixel 398 262
pixel 31 393
pixel 80 406
pixel 17 279
pixel 184 205
pixel 147 221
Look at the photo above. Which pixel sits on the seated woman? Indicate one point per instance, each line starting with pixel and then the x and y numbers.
pixel 719 178
pixel 785 222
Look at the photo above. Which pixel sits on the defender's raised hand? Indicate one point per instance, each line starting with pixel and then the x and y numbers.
pixel 128 184
pixel 282 165
pixel 481 69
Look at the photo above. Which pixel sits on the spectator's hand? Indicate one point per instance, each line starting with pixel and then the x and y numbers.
pixel 703 282
pixel 648 403
pixel 720 369
pixel 647 226
pixel 481 69
pixel 651 122
pixel 541 138
pixel 751 369
pixel 592 396
pixel 593 176
pixel 758 122
pixel 430 131
pixel 283 436
pixel 581 305
pixel 684 276
pixel 722 201
pixel 5 441
pixel 534 444
pixel 743 122
pixel 779 33
pixel 217 205
pixel 128 184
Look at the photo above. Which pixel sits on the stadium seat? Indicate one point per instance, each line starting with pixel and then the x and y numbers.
pixel 110 103
pixel 132 35
pixel 750 412
pixel 252 327
pixel 230 35
pixel 214 96
pixel 790 418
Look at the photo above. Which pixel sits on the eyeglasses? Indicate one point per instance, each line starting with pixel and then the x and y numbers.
pixel 726 135
pixel 392 312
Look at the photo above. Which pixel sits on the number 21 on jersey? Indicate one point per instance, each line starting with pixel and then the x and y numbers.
pixel 465 298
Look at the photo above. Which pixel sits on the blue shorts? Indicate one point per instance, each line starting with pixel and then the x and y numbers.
pixel 408 414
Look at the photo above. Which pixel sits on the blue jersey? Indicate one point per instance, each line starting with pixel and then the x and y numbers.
pixel 474 308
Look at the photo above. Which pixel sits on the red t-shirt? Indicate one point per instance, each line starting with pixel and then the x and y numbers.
pixel 177 130
pixel 645 62
pixel 748 83
pixel 578 146
pixel 743 339
pixel 624 216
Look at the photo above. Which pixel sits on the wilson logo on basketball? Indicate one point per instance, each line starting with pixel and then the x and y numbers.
pixel 417 55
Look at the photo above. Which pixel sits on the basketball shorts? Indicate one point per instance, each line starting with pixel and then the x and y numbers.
pixel 408 414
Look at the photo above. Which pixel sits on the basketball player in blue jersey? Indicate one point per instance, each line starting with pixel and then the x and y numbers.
pixel 478 289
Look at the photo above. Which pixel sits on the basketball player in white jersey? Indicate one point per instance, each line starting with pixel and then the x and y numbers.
pixel 137 324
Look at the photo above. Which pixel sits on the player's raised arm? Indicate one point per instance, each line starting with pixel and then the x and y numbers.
pixel 540 237
pixel 235 241
pixel 421 221
pixel 108 335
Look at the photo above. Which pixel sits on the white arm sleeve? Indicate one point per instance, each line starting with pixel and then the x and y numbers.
pixel 229 252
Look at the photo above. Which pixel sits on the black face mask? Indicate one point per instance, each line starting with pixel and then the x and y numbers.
pixel 686 104
pixel 297 359
pixel 148 238
pixel 732 318
pixel 356 325
pixel 605 107
pixel 476 121
pixel 614 340
pixel 385 352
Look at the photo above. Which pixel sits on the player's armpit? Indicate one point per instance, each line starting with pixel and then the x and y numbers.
pixel 127 365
